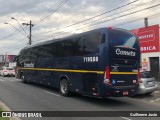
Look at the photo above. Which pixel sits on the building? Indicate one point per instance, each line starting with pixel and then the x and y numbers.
pixel 150 48
pixel 6 59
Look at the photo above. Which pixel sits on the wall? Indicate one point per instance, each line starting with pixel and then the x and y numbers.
pixel 145 59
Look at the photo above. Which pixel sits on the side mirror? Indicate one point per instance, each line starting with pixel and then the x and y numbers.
pixel 15 59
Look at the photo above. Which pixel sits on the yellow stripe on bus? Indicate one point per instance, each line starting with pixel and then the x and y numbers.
pixel 124 73
pixel 64 70
pixel 78 71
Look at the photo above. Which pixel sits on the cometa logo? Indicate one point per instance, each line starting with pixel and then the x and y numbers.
pixel 126 53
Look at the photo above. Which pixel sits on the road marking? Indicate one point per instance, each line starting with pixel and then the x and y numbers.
pixel 126 118
pixel 22 83
pixel 157 92
pixel 156 100
pixel 12 80
pixel 2 80
pixel 151 102
pixel 6 79
pixel 52 93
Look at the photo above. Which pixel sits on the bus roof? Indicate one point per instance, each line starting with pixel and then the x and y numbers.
pixel 71 36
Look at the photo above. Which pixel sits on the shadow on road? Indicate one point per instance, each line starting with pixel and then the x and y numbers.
pixel 103 102
pixel 144 96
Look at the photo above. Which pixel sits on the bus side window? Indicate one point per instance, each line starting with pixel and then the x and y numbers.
pixel 103 38
pixel 67 48
pixel 77 46
pixel 59 49
pixel 91 42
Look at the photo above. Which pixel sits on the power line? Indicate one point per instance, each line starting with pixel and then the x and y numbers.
pixel 150 17
pixel 20 44
pixel 52 31
pixel 100 14
pixel 15 28
pixel 17 48
pixel 100 19
pixel 45 14
pixel 31 25
pixel 115 17
pixel 92 17
pixel 51 12
pixel 57 34
pixel 19 25
pixel 14 44
pixel 120 16
pixel 8 36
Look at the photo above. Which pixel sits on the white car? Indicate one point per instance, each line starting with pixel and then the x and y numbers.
pixel 6 71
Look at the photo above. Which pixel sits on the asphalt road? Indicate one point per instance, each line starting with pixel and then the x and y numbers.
pixel 30 97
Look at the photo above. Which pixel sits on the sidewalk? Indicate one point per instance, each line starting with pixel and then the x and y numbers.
pixel 6 108
pixel 158 89
pixel 157 92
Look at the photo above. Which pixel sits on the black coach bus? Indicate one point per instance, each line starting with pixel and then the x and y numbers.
pixel 101 63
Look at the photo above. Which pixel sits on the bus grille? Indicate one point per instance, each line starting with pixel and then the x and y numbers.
pixel 125 62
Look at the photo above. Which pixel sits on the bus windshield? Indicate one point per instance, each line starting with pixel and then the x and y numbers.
pixel 119 38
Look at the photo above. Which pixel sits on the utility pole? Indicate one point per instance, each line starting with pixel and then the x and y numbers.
pixel 30 30
pixel 146 22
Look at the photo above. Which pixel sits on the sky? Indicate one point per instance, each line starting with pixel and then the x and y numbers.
pixel 53 19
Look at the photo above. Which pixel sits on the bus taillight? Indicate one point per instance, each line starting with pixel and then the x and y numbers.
pixel 107 76
pixel 138 76
pixel 110 28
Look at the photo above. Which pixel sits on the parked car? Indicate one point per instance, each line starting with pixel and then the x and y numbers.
pixel 6 71
pixel 1 70
pixel 147 83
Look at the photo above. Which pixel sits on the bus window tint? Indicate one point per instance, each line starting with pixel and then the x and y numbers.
pixel 77 46
pixel 73 47
pixel 103 39
pixel 67 47
pixel 122 39
pixel 91 42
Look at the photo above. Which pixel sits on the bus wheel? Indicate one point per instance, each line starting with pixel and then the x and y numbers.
pixel 23 80
pixel 64 87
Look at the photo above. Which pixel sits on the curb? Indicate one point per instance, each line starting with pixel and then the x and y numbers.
pixel 157 92
pixel 6 108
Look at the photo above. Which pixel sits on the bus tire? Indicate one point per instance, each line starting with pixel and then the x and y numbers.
pixel 64 87
pixel 23 80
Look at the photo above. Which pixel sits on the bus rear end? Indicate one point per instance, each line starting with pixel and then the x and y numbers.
pixel 121 74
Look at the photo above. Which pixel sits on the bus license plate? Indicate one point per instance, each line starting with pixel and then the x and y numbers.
pixel 125 92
